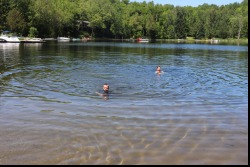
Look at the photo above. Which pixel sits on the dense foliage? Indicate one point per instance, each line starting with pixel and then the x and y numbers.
pixel 123 19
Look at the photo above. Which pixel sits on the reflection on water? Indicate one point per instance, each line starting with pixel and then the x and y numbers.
pixel 193 113
pixel 9 55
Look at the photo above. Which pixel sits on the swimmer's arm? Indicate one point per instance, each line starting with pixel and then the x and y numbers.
pixel 100 94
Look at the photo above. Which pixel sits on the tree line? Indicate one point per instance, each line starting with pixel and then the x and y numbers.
pixel 122 19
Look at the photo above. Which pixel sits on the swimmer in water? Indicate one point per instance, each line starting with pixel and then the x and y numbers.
pixel 105 93
pixel 105 88
pixel 158 70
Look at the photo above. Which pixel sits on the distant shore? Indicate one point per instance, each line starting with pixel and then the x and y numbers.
pixel 188 40
pixel 212 41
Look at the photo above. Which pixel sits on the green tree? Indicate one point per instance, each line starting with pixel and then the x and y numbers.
pixel 4 10
pixel 124 19
pixel 239 19
pixel 33 32
pixel 180 23
pixel 119 22
pixel 167 21
pixel 16 21
pixel 55 17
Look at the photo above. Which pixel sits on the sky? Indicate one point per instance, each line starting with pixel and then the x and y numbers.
pixel 193 3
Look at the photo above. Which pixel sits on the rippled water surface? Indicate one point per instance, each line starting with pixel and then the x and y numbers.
pixel 196 112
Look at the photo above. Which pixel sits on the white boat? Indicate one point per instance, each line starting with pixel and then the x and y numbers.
pixel 76 39
pixel 33 40
pixel 63 39
pixel 6 37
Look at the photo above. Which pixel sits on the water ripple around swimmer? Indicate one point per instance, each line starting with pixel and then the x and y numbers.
pixel 200 78
pixel 60 83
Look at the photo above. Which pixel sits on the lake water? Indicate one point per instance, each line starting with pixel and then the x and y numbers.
pixel 196 112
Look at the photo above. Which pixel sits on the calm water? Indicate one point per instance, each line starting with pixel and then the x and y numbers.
pixel 196 112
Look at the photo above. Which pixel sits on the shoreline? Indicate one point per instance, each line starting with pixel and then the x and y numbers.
pixel 210 41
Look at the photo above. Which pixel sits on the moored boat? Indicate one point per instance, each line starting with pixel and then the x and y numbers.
pixel 63 39
pixel 7 37
pixel 142 40
pixel 33 40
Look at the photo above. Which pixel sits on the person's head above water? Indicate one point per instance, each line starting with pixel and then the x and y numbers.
pixel 106 88
pixel 158 69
